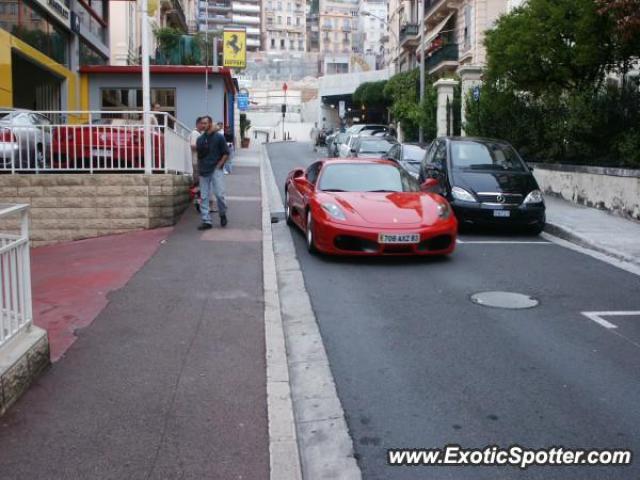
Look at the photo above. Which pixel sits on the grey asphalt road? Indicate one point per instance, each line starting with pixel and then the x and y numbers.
pixel 418 365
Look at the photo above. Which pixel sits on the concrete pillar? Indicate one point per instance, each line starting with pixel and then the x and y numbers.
pixel 470 77
pixel 444 88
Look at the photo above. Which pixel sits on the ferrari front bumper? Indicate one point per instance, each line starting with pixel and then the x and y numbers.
pixel 339 239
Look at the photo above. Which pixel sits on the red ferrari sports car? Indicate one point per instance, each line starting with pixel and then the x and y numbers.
pixel 368 207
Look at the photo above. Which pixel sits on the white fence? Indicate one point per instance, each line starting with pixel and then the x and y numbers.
pixel 90 141
pixel 15 275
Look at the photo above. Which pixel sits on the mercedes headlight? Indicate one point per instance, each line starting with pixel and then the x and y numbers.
pixel 535 196
pixel 334 210
pixel 461 194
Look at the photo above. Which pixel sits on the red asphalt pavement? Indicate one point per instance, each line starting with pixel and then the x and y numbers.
pixel 71 281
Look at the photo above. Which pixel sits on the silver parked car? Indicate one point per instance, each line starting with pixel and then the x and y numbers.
pixel 25 138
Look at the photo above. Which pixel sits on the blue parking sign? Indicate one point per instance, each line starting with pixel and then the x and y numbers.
pixel 243 102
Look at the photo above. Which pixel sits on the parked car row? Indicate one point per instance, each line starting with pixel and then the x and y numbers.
pixel 383 197
pixel 29 140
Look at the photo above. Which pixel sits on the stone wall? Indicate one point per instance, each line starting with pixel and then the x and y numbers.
pixel 614 189
pixel 74 206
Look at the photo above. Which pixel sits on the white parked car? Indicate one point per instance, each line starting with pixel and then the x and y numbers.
pixel 25 138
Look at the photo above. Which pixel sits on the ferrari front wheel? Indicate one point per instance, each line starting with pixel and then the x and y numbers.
pixel 311 243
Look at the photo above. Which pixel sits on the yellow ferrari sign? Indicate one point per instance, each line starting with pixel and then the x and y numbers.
pixel 235 48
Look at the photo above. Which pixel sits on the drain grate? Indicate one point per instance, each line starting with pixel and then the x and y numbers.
pixel 509 300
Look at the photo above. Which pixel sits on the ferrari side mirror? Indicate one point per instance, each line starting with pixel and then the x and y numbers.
pixel 430 185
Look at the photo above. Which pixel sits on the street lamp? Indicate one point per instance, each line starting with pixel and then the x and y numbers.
pixel 146 89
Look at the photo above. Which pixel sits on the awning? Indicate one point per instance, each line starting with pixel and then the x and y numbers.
pixel 436 31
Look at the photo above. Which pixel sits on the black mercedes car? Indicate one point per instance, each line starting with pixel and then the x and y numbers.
pixel 486 182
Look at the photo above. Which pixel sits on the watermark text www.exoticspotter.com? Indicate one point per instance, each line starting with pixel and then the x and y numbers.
pixel 514 455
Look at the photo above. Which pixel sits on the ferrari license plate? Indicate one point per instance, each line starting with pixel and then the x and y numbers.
pixel 398 238
pixel 501 213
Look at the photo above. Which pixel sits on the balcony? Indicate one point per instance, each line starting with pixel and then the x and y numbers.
pixel 445 57
pixel 186 51
pixel 409 35
pixel 175 14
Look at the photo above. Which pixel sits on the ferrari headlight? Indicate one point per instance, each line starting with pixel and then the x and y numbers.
pixel 460 193
pixel 535 196
pixel 444 210
pixel 334 210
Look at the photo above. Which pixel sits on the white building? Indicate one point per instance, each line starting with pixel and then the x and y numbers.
pixel 124 29
pixel 284 25
pixel 372 27
pixel 214 15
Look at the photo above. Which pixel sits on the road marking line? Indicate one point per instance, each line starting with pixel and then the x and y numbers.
pixel 597 317
pixel 500 242
pixel 618 263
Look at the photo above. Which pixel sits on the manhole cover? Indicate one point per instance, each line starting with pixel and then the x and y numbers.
pixel 504 300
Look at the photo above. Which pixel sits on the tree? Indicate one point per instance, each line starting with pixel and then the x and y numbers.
pixel 550 46
pixel 625 16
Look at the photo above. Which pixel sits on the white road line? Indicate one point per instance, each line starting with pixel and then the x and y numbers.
pixel 501 242
pixel 597 316
pixel 611 327
pixel 621 264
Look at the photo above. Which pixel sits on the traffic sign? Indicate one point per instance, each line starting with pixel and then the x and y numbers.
pixel 243 101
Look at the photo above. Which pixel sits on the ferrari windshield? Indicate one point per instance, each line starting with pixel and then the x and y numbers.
pixel 366 177
pixel 485 156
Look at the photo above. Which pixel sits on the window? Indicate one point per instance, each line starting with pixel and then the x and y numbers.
pixel 131 99
pixel 279 20
pixel 468 26
pixel 273 43
pixel 26 23
pixel 279 5
pixel 439 158
pixel 282 43
pixel 313 171
pixel 292 44
pixel 298 21
pixel 89 56
pixel 288 20
pixel 300 45
pixel 269 20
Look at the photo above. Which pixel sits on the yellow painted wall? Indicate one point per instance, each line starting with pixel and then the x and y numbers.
pixel 9 42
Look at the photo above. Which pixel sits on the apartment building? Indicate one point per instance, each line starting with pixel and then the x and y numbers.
pixel 42 45
pixel 284 25
pixel 338 22
pixel 214 15
pixel 454 33
pixel 372 26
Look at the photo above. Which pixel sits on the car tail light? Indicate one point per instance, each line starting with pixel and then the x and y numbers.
pixel 6 135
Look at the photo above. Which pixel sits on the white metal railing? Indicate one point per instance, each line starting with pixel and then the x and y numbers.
pixel 90 141
pixel 15 275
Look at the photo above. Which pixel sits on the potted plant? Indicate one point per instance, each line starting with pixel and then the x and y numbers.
pixel 245 124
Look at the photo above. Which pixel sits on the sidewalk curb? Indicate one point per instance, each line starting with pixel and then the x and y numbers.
pixel 325 445
pixel 573 237
pixel 284 457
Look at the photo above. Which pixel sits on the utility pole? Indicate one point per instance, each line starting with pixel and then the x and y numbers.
pixel 146 88
pixel 422 55
pixel 206 61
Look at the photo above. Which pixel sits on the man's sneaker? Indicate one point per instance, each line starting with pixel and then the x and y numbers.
pixel 205 226
pixel 223 220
